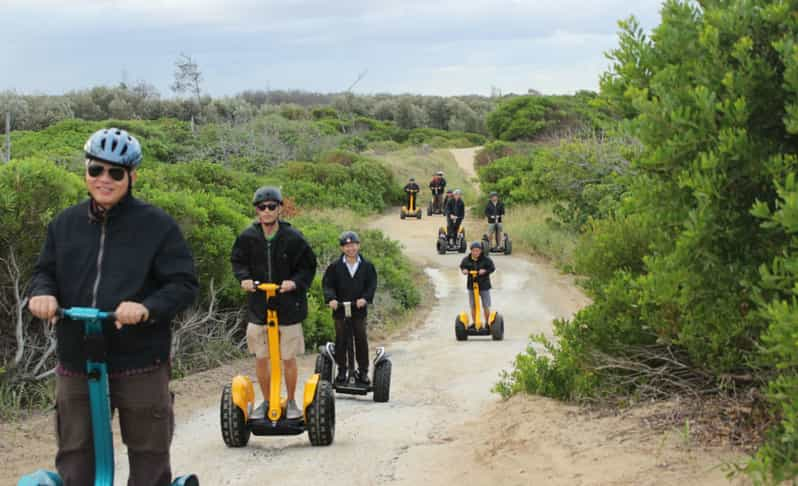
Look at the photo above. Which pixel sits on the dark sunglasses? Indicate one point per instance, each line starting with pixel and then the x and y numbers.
pixel 116 173
pixel 265 206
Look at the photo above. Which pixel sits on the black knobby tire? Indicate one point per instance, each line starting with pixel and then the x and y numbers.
pixel 402 215
pixel 324 367
pixel 235 432
pixel 441 246
pixel 418 214
pixel 382 381
pixel 321 415
pixel 462 248
pixel 508 245
pixel 429 209
pixel 486 245
pixel 497 329
pixel 459 330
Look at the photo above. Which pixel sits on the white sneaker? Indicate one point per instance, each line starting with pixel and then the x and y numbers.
pixel 292 412
pixel 260 410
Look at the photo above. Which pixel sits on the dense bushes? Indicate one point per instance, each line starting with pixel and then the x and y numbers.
pixel 583 178
pixel 692 265
pixel 533 117
pixel 339 112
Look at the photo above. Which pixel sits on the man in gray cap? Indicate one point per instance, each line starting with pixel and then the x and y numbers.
pixel 272 251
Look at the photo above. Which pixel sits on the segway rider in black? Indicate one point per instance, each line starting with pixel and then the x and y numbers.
pixel 115 252
pixel 437 187
pixel 446 199
pixel 350 278
pixel 411 188
pixel 454 212
pixel 494 211
pixel 272 251
pixel 484 266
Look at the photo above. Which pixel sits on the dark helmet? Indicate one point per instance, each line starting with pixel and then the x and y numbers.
pixel 448 191
pixel 267 193
pixel 412 179
pixel 493 193
pixel 476 244
pixel 114 146
pixel 348 237
pixel 439 173
pixel 458 191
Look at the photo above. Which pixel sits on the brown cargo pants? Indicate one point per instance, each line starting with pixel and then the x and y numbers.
pixel 146 419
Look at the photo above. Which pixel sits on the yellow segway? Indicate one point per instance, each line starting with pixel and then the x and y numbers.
pixel 494 327
pixel 238 398
pixel 411 210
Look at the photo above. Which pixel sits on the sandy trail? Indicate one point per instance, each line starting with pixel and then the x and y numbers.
pixel 442 425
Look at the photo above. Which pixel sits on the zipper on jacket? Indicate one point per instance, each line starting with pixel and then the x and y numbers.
pixel 269 261
pixel 99 266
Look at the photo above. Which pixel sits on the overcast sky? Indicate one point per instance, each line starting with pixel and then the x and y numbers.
pixel 416 46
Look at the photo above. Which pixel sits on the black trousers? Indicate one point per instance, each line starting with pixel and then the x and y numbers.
pixel 345 330
pixel 453 226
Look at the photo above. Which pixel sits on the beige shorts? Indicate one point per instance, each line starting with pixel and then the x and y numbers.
pixel 292 341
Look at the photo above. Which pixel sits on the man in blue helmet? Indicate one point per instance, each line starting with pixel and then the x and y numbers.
pixel 115 252
pixel 350 278
pixel 271 250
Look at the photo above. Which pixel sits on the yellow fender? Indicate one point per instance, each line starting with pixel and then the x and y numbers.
pixel 243 394
pixel 310 393
pixel 464 318
pixel 492 317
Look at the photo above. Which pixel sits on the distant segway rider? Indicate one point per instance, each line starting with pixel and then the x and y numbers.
pixel 350 278
pixel 446 199
pixel 411 188
pixel 115 252
pixel 483 264
pixel 437 187
pixel 494 211
pixel 272 251
pixel 454 212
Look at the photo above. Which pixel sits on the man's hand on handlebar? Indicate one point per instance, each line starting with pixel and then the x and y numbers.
pixel 360 303
pixel 44 307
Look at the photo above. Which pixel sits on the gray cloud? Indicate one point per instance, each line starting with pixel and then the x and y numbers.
pixel 413 46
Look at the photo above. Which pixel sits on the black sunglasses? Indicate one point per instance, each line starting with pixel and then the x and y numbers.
pixel 265 206
pixel 116 173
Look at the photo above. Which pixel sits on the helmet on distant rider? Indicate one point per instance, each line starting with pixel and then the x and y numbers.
pixel 348 237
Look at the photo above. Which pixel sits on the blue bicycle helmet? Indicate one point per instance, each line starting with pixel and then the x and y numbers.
pixel 114 146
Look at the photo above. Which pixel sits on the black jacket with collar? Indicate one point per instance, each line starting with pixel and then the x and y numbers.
pixel 483 262
pixel 494 212
pixel 287 256
pixel 339 285
pixel 136 254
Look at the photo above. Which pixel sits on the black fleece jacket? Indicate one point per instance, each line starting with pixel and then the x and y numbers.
pixel 136 254
pixel 456 207
pixel 287 256
pixel 339 285
pixel 482 263
pixel 494 212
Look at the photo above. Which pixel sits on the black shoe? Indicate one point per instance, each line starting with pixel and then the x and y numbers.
pixel 341 378
pixel 363 378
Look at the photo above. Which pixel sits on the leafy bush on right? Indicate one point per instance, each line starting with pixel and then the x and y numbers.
pixel 691 256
